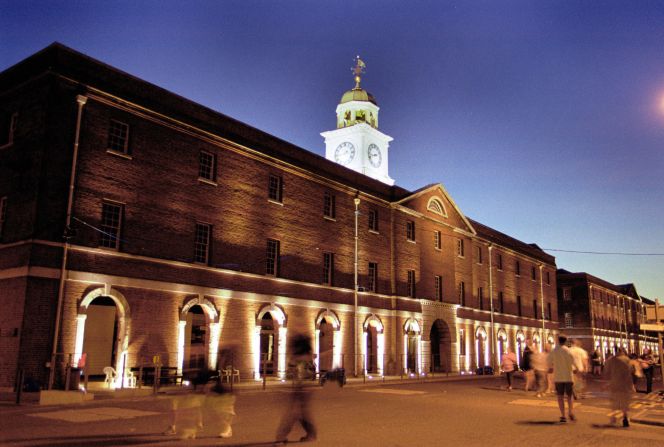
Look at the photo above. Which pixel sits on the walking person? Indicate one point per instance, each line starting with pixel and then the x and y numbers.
pixel 618 371
pixel 509 365
pixel 540 368
pixel 527 367
pixel 561 363
pixel 636 369
pixel 648 367
pixel 298 407
pixel 580 367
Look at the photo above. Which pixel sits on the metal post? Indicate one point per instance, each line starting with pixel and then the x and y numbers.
pixel 355 330
pixel 19 385
pixel 493 327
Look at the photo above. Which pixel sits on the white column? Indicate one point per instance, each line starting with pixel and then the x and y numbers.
pixel 282 352
pixel 419 354
pixel 215 333
pixel 182 324
pixel 337 349
pixel 257 352
pixel 80 334
pixel 380 351
pixel 364 350
pixel 317 349
pixel 404 365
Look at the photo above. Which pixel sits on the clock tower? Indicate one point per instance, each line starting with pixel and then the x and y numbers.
pixel 357 143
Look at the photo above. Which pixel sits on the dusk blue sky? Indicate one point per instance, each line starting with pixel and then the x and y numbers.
pixel 542 119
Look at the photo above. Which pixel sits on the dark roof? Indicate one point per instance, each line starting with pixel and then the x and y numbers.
pixel 89 72
pixel 564 276
pixel 512 243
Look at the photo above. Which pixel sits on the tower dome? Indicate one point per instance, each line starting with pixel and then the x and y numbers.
pixel 357 106
pixel 358 94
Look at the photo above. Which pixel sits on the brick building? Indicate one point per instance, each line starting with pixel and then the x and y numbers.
pixel 602 315
pixel 195 237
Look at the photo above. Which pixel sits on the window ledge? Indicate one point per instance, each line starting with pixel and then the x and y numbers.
pixel 438 248
pixel 207 181
pixel 275 202
pixel 373 231
pixel 331 219
pixel 119 154
pixel 411 241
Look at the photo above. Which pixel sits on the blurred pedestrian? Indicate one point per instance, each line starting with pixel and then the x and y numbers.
pixel 561 363
pixel 527 367
pixel 618 371
pixel 636 369
pixel 580 368
pixel 509 365
pixel 298 407
pixel 540 368
pixel 648 367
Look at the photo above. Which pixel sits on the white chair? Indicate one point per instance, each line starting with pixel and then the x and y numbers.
pixel 110 375
pixel 230 373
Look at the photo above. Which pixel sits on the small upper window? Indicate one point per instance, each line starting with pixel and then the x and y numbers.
pixel 533 273
pixel 410 230
pixel 207 166
pixel 460 250
pixel 438 287
pixel 499 261
pixel 373 220
pixel 118 137
pixel 373 277
pixel 329 205
pixel 548 278
pixel 517 268
pixel 411 283
pixel 479 255
pixel 272 258
pixel 328 268
pixel 436 206
pixel 202 243
pixel 7 129
pixel 437 242
pixel 275 188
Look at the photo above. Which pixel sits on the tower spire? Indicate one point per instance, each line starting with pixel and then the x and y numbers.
pixel 358 70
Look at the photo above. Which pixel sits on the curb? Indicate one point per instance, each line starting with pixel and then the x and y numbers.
pixel 647 422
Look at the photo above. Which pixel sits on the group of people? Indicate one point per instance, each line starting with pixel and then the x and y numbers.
pixel 564 370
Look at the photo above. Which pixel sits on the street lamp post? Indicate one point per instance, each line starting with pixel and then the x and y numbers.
pixel 493 328
pixel 355 286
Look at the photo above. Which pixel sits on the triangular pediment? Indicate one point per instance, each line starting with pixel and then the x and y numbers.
pixel 434 202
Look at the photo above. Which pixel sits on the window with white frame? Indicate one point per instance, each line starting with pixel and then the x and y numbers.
pixel 437 242
pixel 569 322
pixel 272 258
pixel 438 287
pixel 329 205
pixel 111 222
pixel 373 220
pixel 275 188
pixel 118 137
pixel 328 268
pixel 207 166
pixel 410 230
pixel 202 243
pixel 7 128
pixel 411 283
pixel 460 248
pixel 373 277
pixel 436 206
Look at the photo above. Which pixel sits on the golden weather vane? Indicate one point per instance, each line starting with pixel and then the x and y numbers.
pixel 359 68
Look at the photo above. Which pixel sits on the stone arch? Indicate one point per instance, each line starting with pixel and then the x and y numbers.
pixel 213 326
pixel 519 346
pixel 265 345
pixel 123 327
pixel 373 344
pixel 327 344
pixel 412 346
pixel 537 341
pixel 435 205
pixel 482 348
pixel 441 346
pixel 502 342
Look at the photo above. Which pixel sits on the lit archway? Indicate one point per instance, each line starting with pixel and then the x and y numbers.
pixel 441 346
pixel 373 344
pixel 503 344
pixel 107 340
pixel 537 342
pixel 481 347
pixel 520 345
pixel 270 341
pixel 328 341
pixel 412 341
pixel 198 334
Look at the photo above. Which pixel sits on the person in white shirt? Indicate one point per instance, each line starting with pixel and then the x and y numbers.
pixel 580 368
pixel 561 362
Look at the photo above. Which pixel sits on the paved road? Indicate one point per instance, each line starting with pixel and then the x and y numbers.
pixel 467 413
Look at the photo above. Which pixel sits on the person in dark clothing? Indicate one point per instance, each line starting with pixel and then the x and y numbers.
pixel 648 366
pixel 526 366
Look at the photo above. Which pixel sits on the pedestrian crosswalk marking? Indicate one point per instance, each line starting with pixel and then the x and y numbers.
pixel 93 414
pixel 393 391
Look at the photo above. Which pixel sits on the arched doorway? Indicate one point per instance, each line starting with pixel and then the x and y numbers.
pixel 373 345
pixel 441 343
pixel 411 339
pixel 270 342
pixel 327 341
pixel 537 342
pixel 481 347
pixel 520 346
pixel 198 336
pixel 102 329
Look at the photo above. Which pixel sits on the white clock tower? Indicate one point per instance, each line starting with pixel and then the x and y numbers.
pixel 357 143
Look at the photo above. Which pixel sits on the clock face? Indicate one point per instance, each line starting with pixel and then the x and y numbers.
pixel 344 153
pixel 375 157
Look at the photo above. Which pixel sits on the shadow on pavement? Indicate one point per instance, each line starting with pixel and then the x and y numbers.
pixel 537 422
